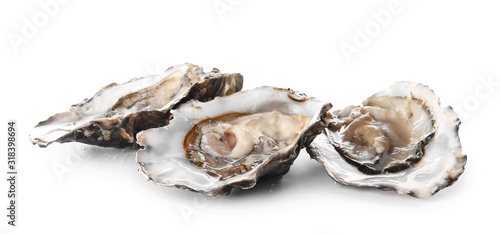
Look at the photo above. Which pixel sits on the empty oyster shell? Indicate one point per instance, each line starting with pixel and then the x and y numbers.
pixel 399 139
pixel 230 141
pixel 114 115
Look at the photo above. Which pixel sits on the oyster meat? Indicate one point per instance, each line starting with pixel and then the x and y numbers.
pixel 400 139
pixel 114 115
pixel 230 141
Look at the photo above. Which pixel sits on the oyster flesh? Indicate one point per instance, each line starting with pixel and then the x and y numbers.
pixel 230 141
pixel 400 139
pixel 114 115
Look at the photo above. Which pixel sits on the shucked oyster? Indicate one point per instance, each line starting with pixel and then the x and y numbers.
pixel 230 141
pixel 114 115
pixel 400 139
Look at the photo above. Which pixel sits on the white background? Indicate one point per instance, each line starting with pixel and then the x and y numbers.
pixel 84 45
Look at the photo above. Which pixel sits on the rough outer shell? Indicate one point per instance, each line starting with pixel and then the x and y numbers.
pixel 87 122
pixel 163 159
pixel 441 165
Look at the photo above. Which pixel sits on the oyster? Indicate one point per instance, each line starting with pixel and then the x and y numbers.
pixel 400 139
pixel 230 141
pixel 114 115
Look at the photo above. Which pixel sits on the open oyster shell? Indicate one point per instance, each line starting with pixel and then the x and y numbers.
pixel 114 115
pixel 230 141
pixel 399 140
